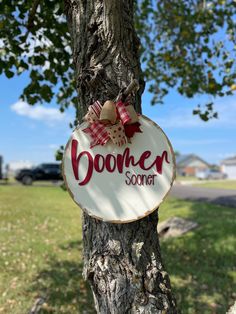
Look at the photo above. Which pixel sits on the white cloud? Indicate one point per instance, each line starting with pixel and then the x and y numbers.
pixel 53 146
pixel 226 155
pixel 15 165
pixel 40 113
pixel 182 118
pixel 201 142
pixel 46 147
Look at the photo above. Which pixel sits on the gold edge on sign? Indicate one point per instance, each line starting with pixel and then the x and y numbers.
pixel 147 212
pixel 63 172
pixel 66 184
pixel 171 148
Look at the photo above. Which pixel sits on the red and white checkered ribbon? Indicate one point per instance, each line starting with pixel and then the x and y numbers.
pixel 93 113
pixel 123 112
pixel 96 107
pixel 96 130
pixel 98 134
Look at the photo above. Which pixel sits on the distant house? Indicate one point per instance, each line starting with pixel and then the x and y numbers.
pixel 188 165
pixel 228 166
pixel 1 162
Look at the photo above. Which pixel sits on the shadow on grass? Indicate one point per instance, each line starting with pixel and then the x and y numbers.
pixel 78 245
pixel 201 262
pixel 62 287
pixel 201 265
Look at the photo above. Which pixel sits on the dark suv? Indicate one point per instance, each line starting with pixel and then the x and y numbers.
pixel 43 172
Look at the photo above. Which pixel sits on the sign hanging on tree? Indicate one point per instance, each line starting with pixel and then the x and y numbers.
pixel 118 166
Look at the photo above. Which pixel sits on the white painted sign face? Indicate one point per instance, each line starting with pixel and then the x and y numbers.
pixel 120 184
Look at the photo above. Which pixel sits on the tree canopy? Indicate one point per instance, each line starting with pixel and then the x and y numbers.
pixel 189 45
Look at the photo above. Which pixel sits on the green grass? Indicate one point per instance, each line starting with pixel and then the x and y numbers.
pixel 40 253
pixel 202 262
pixel 41 245
pixel 226 184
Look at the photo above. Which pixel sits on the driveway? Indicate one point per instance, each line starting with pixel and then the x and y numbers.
pixel 197 193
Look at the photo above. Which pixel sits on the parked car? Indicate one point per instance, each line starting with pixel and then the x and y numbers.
pixel 210 174
pixel 43 172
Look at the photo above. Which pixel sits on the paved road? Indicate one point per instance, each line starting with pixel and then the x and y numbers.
pixel 197 193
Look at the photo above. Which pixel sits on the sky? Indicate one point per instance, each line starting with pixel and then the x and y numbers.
pixel 33 133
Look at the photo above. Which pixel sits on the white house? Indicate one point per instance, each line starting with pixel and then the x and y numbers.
pixel 188 165
pixel 228 166
pixel 1 162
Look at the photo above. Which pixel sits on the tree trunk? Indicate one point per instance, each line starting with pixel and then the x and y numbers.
pixel 122 262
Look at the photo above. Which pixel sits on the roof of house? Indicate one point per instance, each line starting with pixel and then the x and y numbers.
pixel 229 161
pixel 184 160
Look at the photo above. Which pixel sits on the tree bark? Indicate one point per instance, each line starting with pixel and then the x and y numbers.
pixel 122 262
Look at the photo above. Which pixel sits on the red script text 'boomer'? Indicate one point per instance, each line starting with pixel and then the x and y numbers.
pixel 111 163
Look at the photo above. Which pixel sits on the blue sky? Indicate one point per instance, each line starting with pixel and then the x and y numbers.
pixel 34 133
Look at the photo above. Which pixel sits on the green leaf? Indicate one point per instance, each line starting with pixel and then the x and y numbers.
pixel 9 74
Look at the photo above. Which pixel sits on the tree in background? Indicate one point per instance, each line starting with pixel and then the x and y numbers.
pixel 177 153
pixel 179 46
pixel 187 45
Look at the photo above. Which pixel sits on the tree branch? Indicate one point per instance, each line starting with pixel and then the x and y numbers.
pixel 32 13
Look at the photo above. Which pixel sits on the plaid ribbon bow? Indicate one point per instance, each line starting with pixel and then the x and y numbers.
pixel 98 134
pixel 123 112
pixel 96 130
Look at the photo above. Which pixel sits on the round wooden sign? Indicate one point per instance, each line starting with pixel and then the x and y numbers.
pixel 120 184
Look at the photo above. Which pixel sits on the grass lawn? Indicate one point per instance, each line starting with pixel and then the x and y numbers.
pixel 40 254
pixel 226 184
